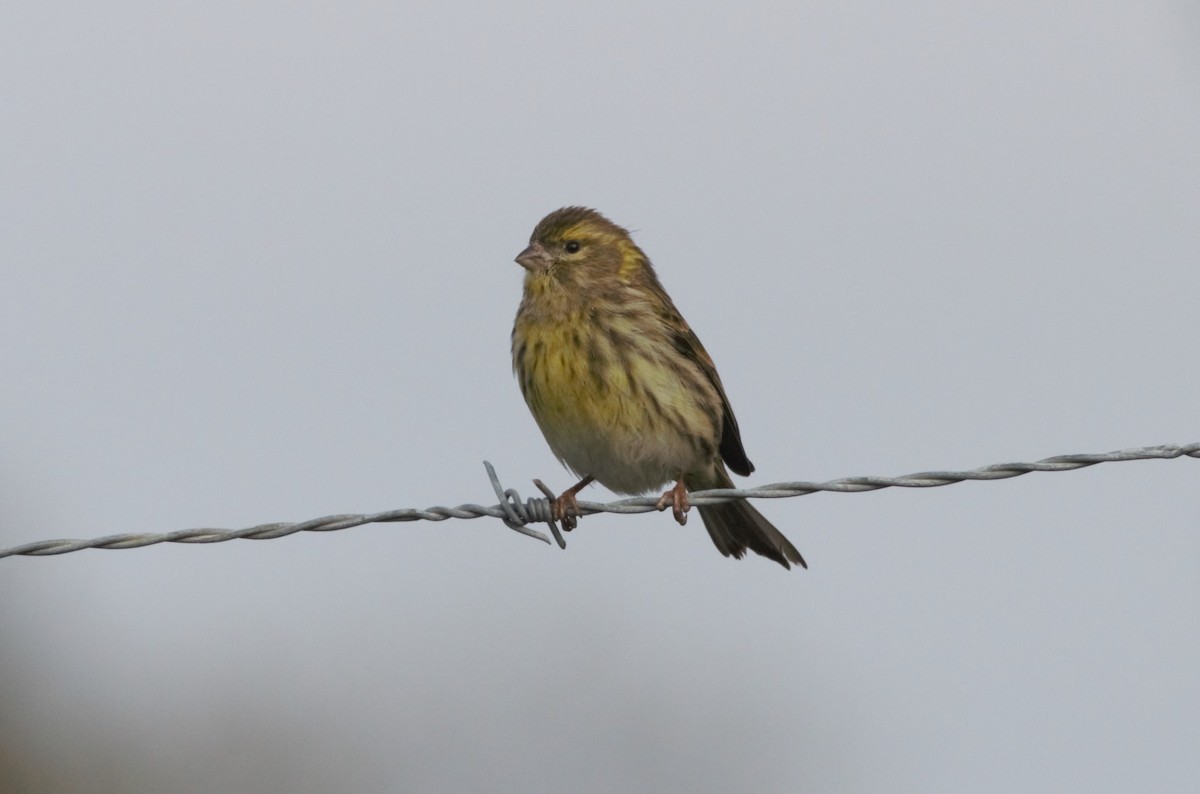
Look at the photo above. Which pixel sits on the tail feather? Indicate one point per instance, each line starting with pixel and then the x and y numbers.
pixel 736 526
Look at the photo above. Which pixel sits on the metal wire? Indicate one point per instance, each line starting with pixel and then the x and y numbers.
pixel 517 514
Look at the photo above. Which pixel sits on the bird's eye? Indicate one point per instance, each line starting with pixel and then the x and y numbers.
pixel 572 246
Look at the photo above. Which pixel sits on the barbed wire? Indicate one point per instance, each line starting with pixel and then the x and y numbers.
pixel 517 513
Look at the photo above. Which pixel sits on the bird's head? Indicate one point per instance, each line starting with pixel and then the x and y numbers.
pixel 579 246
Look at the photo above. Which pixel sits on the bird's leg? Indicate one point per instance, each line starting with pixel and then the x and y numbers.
pixel 564 507
pixel 677 499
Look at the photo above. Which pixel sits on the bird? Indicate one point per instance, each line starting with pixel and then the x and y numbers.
pixel 620 385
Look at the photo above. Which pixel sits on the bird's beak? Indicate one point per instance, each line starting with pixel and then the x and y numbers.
pixel 534 258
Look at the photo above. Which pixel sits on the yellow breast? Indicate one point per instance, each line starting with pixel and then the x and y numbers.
pixel 608 404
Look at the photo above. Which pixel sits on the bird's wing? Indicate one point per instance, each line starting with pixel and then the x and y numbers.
pixel 732 451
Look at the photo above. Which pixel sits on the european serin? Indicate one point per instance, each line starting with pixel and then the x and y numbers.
pixel 619 384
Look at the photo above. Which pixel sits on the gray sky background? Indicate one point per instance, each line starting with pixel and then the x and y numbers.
pixel 257 266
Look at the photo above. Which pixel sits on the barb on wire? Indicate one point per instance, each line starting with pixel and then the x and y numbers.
pixel 517 514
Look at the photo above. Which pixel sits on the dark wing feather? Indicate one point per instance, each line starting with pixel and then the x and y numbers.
pixel 732 451
pixel 731 443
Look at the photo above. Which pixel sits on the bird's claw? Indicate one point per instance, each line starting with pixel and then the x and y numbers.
pixel 677 500
pixel 566 510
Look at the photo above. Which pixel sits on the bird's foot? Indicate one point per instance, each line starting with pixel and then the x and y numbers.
pixel 565 508
pixel 677 500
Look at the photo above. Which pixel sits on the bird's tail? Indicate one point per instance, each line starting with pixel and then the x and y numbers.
pixel 736 526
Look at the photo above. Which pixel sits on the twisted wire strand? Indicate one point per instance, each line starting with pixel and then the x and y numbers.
pixel 517 513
